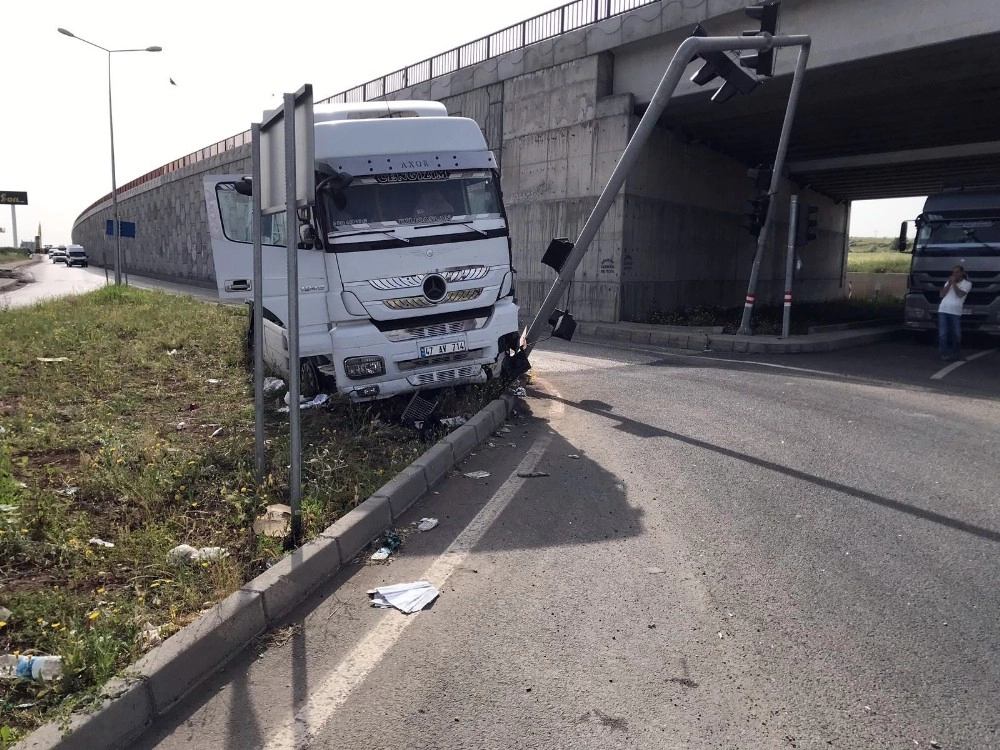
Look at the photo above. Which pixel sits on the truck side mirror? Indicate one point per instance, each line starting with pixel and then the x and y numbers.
pixel 902 243
pixel 244 186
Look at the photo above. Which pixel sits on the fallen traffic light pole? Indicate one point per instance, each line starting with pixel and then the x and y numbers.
pixel 565 257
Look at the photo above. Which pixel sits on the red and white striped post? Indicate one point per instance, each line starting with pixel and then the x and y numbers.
pixel 793 214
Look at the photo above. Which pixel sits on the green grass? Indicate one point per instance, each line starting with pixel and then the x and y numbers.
pixel 878 262
pixel 872 245
pixel 11 255
pixel 116 443
pixel 767 319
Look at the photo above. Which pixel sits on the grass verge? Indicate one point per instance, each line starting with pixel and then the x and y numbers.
pixel 880 262
pixel 767 319
pixel 143 437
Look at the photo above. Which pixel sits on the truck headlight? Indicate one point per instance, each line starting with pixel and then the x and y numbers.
pixel 364 367
pixel 916 313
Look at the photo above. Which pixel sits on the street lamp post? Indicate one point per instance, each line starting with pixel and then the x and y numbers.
pixel 111 120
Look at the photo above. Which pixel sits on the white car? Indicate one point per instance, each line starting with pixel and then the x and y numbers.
pixel 58 254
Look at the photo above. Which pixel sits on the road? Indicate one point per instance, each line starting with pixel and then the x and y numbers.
pixel 51 280
pixel 729 552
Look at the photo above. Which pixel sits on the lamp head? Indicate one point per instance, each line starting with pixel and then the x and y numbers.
pixel 67 33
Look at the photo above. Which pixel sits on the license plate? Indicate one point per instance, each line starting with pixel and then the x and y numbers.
pixel 434 350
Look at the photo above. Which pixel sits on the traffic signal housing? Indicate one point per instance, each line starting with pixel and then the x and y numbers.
pixel 805 225
pixel 719 64
pixel 762 61
pixel 754 219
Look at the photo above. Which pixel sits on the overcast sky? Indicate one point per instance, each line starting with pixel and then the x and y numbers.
pixel 230 61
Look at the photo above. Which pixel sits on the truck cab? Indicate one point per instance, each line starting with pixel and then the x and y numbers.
pixel 957 227
pixel 405 277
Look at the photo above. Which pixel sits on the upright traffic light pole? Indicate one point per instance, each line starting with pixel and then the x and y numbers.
pixel 779 164
pixel 706 48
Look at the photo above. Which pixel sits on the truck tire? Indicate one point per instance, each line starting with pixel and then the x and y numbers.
pixel 310 379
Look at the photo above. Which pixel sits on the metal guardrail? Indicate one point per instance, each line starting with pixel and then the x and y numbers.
pixel 552 23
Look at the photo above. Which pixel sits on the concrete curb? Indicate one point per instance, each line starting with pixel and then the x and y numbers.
pixel 706 340
pixel 172 670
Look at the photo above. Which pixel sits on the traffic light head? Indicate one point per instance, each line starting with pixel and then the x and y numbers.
pixel 805 225
pixel 754 219
pixel 719 64
pixel 762 61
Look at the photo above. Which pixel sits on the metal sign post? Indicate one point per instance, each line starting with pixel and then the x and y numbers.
pixel 686 52
pixel 284 182
pixel 258 310
pixel 793 213
pixel 15 198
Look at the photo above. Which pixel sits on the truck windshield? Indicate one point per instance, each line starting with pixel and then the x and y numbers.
pixel 412 198
pixel 965 237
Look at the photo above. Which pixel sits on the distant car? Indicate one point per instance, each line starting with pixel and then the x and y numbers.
pixel 76 256
pixel 58 254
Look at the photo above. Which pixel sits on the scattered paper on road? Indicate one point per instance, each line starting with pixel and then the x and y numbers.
pixel 477 474
pixel 406 597
pixel 319 400
pixel 426 524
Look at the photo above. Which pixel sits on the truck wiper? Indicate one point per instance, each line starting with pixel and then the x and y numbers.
pixel 468 224
pixel 971 234
pixel 389 233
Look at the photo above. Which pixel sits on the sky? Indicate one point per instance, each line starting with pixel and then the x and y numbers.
pixel 230 61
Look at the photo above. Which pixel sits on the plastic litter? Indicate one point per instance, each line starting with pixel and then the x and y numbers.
pixel 575 456
pixel 318 400
pixel 68 491
pixel 477 474
pixel 53 359
pixel 181 426
pixel 406 597
pixel 172 352
pixel 185 553
pixel 5 614
pixel 520 392
pixel 213 381
pixel 149 636
pixel 532 474
pixel 454 421
pixel 37 668
pixel 273 385
pixel 274 521
pixel 218 432
pixel 95 542
pixel 389 545
pixel 426 524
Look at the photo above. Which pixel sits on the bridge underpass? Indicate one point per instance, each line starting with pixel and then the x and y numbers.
pixel 895 103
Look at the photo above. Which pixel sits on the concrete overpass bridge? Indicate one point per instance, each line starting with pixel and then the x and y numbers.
pixel 900 98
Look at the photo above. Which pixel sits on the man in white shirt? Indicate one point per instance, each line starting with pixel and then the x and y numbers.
pixel 950 314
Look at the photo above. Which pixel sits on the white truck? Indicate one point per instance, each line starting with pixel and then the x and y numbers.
pixel 405 276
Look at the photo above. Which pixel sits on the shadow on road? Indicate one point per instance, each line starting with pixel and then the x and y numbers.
pixel 642 430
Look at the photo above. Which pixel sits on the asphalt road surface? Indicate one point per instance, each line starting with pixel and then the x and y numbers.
pixel 50 280
pixel 728 552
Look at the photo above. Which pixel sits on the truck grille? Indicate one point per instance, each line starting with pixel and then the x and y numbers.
pixel 415 364
pixel 443 376
pixel 413 303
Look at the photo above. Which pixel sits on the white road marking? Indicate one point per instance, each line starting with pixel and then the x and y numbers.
pixel 955 365
pixel 324 702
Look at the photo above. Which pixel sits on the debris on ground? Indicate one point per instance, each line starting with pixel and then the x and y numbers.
pixel 213 381
pixel 418 409
pixel 181 426
pixel 520 392
pixel 191 407
pixel 318 400
pixel 390 544
pixel 273 385
pixel 453 421
pixel 655 571
pixel 185 553
pixel 274 521
pixel 218 432
pixel 53 359
pixel 406 597
pixel 504 430
pixel 149 636
pixel 477 474
pixel 574 455
pixel 37 668
pixel 172 352
pixel 69 491
pixel 426 524
pixel 532 474
pixel 95 542
pixel 5 614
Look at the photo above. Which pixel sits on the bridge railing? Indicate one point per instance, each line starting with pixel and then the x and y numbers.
pixel 552 23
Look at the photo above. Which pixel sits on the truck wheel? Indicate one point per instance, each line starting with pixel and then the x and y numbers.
pixel 309 377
